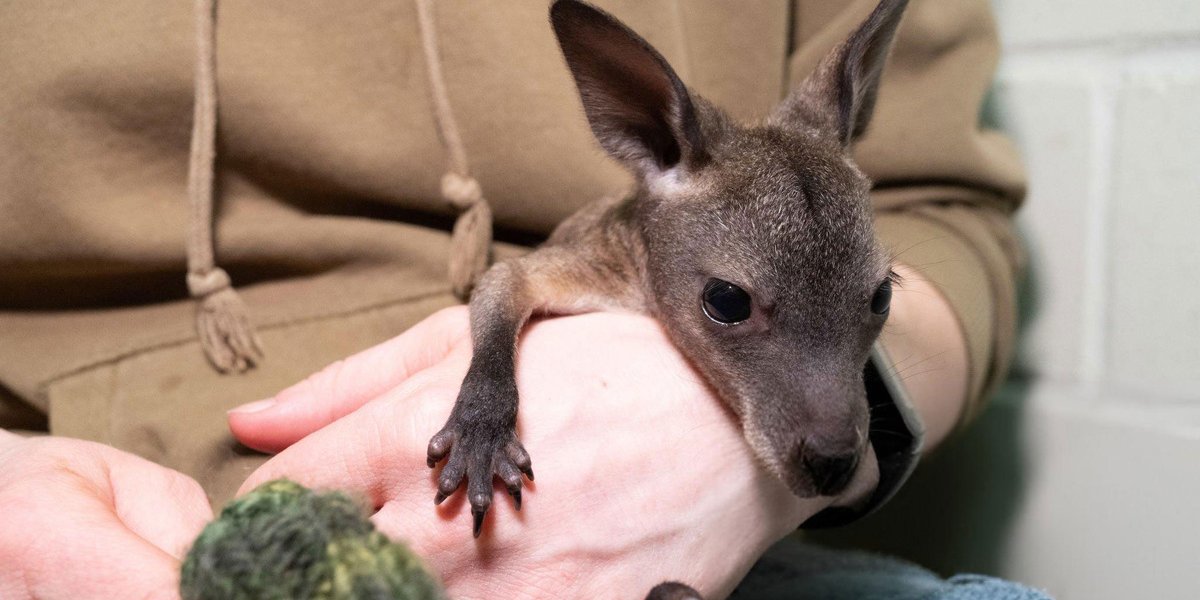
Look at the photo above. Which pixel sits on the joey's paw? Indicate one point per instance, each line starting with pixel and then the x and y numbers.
pixel 478 453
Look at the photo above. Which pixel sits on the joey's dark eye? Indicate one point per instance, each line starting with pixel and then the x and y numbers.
pixel 725 302
pixel 882 300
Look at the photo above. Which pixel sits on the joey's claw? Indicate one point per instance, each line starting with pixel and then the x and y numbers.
pixel 478 515
pixel 480 501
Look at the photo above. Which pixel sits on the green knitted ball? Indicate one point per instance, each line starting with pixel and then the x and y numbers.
pixel 285 541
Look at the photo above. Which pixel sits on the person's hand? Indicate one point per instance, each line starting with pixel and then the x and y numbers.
pixel 642 475
pixel 82 520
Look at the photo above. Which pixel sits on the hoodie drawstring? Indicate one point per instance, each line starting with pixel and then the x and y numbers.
pixel 471 241
pixel 222 321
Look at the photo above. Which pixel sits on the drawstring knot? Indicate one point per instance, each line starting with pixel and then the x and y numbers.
pixel 202 285
pixel 461 190
pixel 223 322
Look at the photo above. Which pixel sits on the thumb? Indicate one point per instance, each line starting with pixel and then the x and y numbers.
pixel 113 563
pixel 69 543
pixel 171 512
pixel 275 423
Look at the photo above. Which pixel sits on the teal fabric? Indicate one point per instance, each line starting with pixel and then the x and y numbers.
pixel 792 570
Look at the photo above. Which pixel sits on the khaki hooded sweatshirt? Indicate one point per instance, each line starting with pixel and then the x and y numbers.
pixel 329 218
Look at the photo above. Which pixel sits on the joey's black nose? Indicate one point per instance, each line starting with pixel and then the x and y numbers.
pixel 830 472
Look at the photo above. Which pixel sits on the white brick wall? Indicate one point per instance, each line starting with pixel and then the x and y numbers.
pixel 1051 118
pixel 1154 345
pixel 1112 143
pixel 1103 98
pixel 1109 124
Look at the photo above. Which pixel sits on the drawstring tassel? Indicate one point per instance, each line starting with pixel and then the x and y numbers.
pixel 222 321
pixel 471 241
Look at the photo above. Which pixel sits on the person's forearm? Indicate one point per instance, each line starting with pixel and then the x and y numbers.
pixel 924 338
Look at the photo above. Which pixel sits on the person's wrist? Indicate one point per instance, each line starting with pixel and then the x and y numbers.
pixel 925 339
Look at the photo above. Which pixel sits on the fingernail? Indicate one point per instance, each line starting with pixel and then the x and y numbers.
pixel 253 407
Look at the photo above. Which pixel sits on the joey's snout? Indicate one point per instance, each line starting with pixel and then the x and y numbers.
pixel 825 469
pixel 815 440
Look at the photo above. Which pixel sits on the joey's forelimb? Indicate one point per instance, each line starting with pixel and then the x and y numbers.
pixel 479 439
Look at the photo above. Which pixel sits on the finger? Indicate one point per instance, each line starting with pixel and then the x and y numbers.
pixel 378 448
pixel 275 423
pixel 127 566
pixel 171 516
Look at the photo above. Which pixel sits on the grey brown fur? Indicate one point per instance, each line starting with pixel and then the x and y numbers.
pixel 779 208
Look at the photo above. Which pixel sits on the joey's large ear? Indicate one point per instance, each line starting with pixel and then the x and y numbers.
pixel 839 96
pixel 638 108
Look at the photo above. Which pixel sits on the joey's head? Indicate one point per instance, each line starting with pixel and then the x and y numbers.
pixel 761 252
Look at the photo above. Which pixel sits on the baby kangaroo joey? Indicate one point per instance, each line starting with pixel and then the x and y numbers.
pixel 752 244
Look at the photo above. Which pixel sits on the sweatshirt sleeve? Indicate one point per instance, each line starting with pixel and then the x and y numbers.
pixel 946 186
